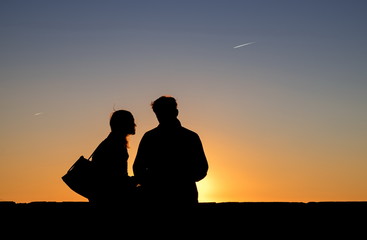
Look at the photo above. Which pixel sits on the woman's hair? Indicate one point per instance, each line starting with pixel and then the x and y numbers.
pixel 119 120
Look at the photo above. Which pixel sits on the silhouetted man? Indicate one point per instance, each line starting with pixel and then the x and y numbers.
pixel 170 159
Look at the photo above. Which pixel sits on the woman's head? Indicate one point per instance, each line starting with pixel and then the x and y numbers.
pixel 122 121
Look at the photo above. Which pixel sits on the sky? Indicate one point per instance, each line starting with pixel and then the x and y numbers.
pixel 283 118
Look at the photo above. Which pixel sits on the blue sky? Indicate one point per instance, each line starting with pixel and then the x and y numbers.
pixel 294 102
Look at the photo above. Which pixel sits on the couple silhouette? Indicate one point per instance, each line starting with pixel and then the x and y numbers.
pixel 170 160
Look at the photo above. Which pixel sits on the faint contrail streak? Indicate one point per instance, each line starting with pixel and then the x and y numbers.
pixel 245 44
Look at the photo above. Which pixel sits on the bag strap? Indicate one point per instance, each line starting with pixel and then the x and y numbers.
pixel 95 150
pixel 92 154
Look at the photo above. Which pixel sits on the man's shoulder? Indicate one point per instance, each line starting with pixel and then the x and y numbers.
pixel 189 132
pixel 181 129
pixel 151 132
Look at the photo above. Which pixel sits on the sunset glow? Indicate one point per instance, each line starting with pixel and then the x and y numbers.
pixel 282 119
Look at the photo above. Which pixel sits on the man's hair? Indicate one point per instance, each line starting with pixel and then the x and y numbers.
pixel 164 104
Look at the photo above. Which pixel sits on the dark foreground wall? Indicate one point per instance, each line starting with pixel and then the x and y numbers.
pixel 247 220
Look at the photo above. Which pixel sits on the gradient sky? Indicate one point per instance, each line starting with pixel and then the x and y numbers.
pixel 282 119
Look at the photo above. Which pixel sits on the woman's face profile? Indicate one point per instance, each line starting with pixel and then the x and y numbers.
pixel 123 122
pixel 130 126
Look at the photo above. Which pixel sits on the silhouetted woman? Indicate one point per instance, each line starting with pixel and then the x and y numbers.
pixel 112 183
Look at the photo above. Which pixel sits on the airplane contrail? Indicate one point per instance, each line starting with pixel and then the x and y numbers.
pixel 245 44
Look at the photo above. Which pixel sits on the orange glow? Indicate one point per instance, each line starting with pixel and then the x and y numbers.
pixel 280 120
pixel 242 165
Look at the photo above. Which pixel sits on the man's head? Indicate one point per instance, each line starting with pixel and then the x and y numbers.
pixel 165 108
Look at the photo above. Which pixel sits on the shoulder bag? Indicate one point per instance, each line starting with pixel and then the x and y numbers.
pixel 79 177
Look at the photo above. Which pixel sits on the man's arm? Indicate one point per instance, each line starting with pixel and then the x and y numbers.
pixel 201 163
pixel 139 165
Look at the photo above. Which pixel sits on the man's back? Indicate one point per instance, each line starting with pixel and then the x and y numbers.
pixel 171 159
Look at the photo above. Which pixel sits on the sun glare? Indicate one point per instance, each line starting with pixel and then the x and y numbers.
pixel 206 189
